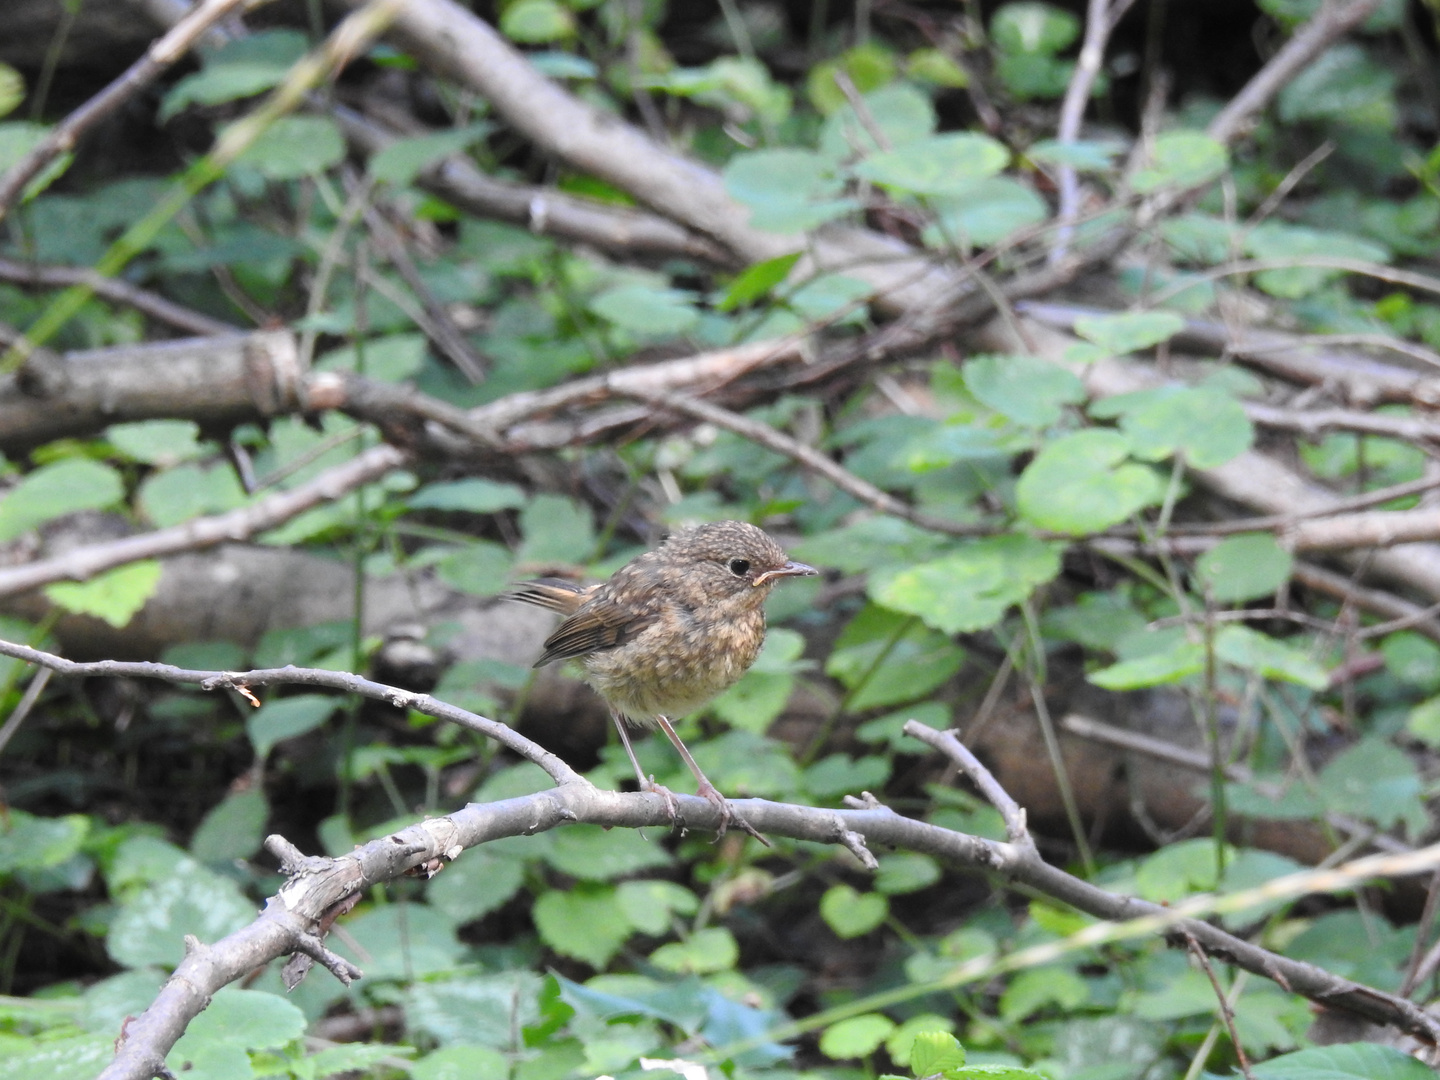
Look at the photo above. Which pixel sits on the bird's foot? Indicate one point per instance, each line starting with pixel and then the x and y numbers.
pixel 728 813
pixel 671 807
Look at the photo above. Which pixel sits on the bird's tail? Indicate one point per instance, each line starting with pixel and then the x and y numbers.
pixel 557 594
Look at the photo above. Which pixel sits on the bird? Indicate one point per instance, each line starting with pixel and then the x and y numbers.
pixel 669 631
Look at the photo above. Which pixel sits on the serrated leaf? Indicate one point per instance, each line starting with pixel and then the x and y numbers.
pixel 883 657
pixel 114 596
pixel 479 569
pixel 1343 84
pixel 1244 568
pixel 151 926
pixel 399 162
pixel 1278 241
pixel 590 853
pixel 899 111
pixel 935 1052
pixel 787 190
pixel 1375 781
pixel 1082 483
pixel 232 829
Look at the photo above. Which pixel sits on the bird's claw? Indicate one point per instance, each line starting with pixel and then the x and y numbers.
pixel 728 814
pixel 671 806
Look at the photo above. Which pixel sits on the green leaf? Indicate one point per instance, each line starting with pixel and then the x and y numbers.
pixel 157 442
pixel 476 884
pixel 1423 722
pixel 151 926
pixel 288 717
pixel 972 588
pixel 856 1037
pixel 1262 654
pixel 591 853
pixel 1278 241
pixel 247 1019
pixel 1156 669
pixel 757 281
pixel 1208 426
pixel 850 913
pixel 936 67
pixel 1083 155
pixel 387 357
pixel 53 490
pixel 1182 159
pixel 295 147
pixel 1129 332
pixel 586 923
pixel 402 941
pixel 1344 84
pixel 1179 869
pixel 870 66
pixel 114 596
pixel 399 162
pixel 1030 991
pixel 985 213
pixel 473 495
pixel 839 774
pixel 535 22
pixel 189 491
pixel 1033 28
pixel 651 906
pixel 786 190
pixel 240 68
pixel 64 1058
pixel 883 657
pixel 899 111
pixel 17 139
pixel 556 530
pixel 462 1062
pixel 1082 484
pixel 474 1011
pixel 353 1058
pixel 905 872
pixel 938 165
pixel 12 89
pixel 705 952
pixel 479 569
pixel 1375 781
pixel 233 828
pixel 1245 567
pixel 935 1052
pixel 645 310
pixel 30 842
pixel 1030 391
pixel 1344 1061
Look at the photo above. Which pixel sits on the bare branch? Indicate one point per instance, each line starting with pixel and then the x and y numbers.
pixel 116 290
pixel 1328 25
pixel 66 135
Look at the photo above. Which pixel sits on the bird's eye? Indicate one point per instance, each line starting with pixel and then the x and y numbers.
pixel 739 567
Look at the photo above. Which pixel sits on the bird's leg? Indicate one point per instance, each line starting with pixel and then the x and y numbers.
pixel 705 789
pixel 646 783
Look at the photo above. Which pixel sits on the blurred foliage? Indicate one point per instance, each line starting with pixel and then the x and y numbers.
pixel 576 953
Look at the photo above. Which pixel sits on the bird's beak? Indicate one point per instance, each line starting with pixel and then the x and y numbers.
pixel 790 569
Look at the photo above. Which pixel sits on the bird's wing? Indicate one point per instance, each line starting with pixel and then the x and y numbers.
pixel 600 624
pixel 557 594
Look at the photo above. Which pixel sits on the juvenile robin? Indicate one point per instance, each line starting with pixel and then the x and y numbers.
pixel 670 629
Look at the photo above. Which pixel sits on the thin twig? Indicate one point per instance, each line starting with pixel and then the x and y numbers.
pixel 64 137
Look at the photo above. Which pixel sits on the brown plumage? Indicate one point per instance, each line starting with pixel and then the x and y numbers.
pixel 670 629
